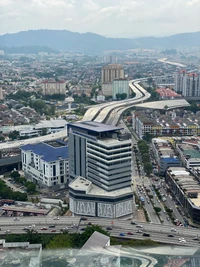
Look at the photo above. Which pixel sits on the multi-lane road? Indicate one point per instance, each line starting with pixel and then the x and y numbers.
pixel 157 232
pixel 110 113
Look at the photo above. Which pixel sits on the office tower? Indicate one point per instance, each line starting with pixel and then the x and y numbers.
pixel 100 170
pixel 109 73
pixel 120 86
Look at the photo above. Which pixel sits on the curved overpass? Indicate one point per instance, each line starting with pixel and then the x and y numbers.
pixel 109 112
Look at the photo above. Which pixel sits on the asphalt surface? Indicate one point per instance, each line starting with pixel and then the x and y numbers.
pixel 157 232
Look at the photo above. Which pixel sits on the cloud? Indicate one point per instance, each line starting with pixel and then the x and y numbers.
pixel 125 18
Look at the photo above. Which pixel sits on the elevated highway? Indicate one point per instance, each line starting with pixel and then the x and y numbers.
pixel 110 113
pixel 157 232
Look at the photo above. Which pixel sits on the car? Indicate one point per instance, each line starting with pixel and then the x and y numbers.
pixel 53 230
pixel 83 229
pixel 64 229
pixel 52 226
pixel 7 231
pixel 170 235
pixel 121 234
pixel 108 228
pixel 196 238
pixel 182 241
pixel 16 219
pixel 146 234
pixel 90 223
pixel 25 228
pixel 139 231
pixel 56 218
pixel 168 218
pixel 173 230
pixel 139 226
pixel 43 228
pixel 134 223
pixel 148 201
pixel 83 218
pixel 129 233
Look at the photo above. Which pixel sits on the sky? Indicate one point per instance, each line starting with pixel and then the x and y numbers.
pixel 111 18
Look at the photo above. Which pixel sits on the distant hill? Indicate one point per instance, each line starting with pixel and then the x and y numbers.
pixel 32 49
pixel 92 43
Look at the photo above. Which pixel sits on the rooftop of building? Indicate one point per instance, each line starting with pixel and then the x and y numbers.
pixel 171 119
pixel 18 143
pixel 83 184
pixel 49 151
pixel 187 182
pixel 113 66
pixel 164 104
pixel 165 150
pixel 94 126
pixel 190 151
pixel 96 240
pixel 51 123
pixel 167 92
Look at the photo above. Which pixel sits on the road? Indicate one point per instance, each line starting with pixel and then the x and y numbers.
pixel 158 232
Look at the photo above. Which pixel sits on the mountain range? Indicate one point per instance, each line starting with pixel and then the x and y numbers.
pixel 91 43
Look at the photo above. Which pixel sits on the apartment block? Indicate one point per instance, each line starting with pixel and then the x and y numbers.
pixel 109 73
pixel 188 84
pixel 120 86
pixel 51 87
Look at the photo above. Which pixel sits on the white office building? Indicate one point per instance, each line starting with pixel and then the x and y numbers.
pixel 46 164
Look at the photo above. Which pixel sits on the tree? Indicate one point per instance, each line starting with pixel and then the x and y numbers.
pixel 2 138
pixel 157 209
pixel 150 80
pixel 31 187
pixel 148 167
pixel 123 96
pixel 15 174
pixel 39 106
pixel 13 135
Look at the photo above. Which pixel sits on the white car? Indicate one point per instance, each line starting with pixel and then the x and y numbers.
pixel 57 218
pixel 182 240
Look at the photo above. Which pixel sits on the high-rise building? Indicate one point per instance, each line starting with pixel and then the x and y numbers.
pixel 120 86
pixel 179 77
pixel 1 94
pixel 188 84
pixel 109 73
pixel 51 87
pixel 100 170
